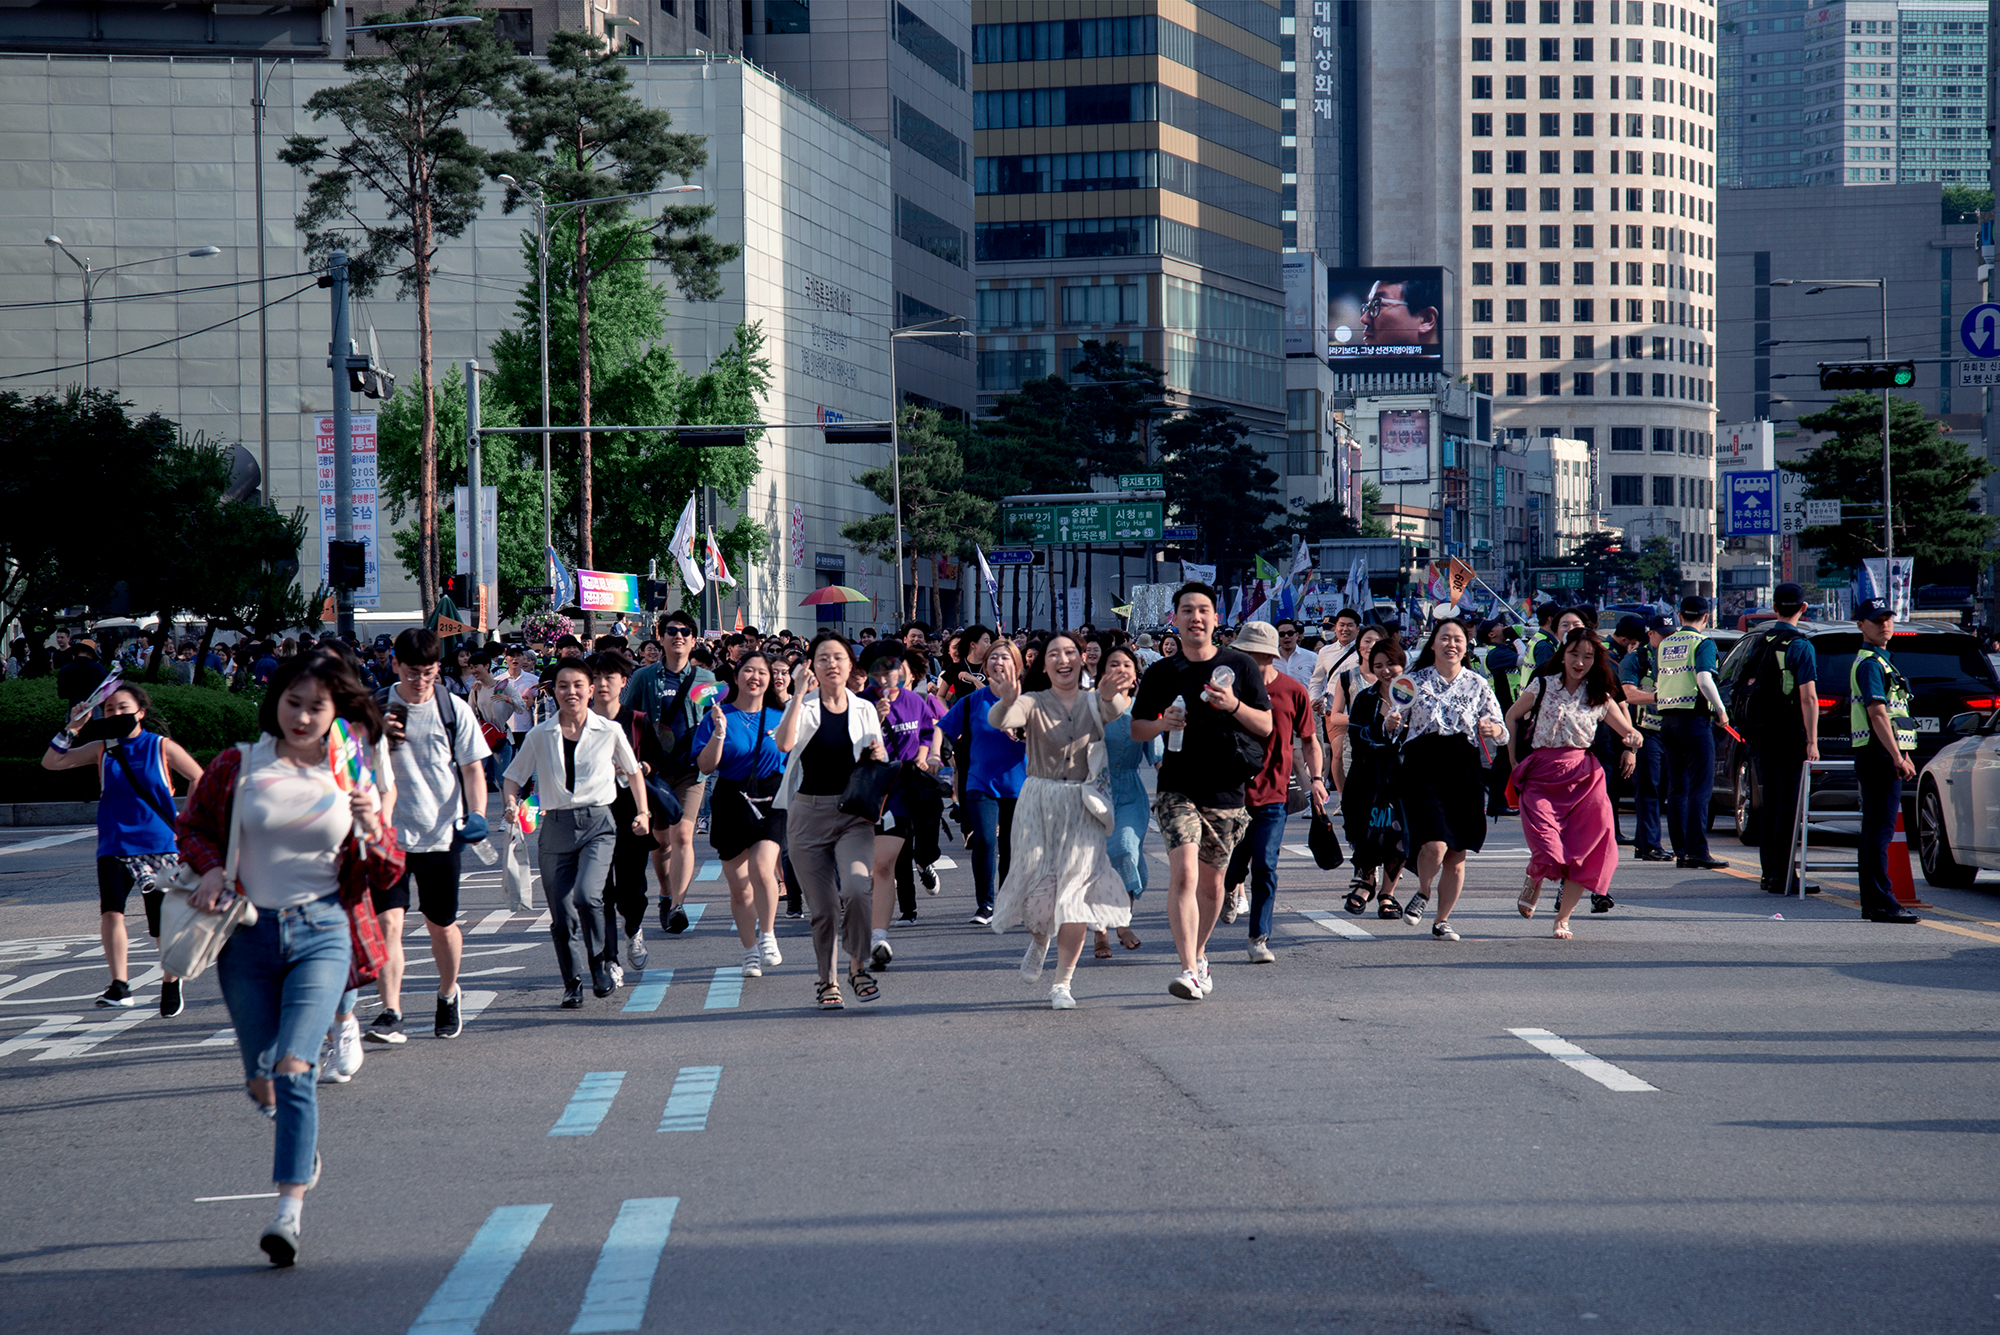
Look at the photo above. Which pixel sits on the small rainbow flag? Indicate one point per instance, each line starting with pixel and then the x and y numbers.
pixel 347 754
pixel 705 695
pixel 528 816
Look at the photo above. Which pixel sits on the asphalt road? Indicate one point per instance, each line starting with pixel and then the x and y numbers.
pixel 1352 1139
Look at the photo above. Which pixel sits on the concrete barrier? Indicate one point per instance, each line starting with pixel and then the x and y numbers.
pixel 19 814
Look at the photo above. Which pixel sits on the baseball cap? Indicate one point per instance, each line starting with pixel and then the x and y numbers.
pixel 384 642
pixel 1694 605
pixel 1257 637
pixel 1788 596
pixel 1629 628
pixel 1661 625
pixel 1873 609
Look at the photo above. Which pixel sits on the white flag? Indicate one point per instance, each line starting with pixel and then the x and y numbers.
pixel 714 566
pixel 992 585
pixel 682 547
pixel 1302 562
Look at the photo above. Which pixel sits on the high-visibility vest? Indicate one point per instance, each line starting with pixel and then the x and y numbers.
pixel 1646 716
pixel 1859 734
pixel 1526 667
pixel 1676 683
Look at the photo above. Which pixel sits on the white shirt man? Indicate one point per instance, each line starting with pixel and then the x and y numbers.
pixel 1294 662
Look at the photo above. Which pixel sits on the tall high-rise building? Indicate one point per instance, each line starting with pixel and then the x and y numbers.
pixel 1128 185
pixel 1557 158
pixel 1868 92
pixel 902 73
pixel 1321 117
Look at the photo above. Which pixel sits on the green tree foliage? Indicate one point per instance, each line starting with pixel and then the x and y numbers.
pixel 402 114
pixel 1314 521
pixel 1934 479
pixel 940 517
pixel 1372 524
pixel 509 464
pixel 582 133
pixel 1218 480
pixel 1112 405
pixel 1964 203
pixel 1056 433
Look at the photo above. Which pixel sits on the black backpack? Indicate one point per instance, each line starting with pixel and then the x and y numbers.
pixel 1759 700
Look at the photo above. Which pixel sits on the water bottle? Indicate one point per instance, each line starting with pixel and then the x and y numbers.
pixel 1174 739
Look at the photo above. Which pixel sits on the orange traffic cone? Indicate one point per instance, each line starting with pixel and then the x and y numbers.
pixel 1899 865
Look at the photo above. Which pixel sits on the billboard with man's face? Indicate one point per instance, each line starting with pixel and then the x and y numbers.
pixel 1386 319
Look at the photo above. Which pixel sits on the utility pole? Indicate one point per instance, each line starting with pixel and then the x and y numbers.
pixel 1986 422
pixel 475 500
pixel 343 431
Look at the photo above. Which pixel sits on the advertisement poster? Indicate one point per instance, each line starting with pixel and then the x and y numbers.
pixel 607 591
pixel 1406 446
pixel 798 535
pixel 1386 319
pixel 361 435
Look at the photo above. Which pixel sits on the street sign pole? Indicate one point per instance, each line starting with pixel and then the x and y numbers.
pixel 343 434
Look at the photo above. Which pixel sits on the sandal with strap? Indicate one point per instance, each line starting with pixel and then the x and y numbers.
pixel 1531 895
pixel 864 986
pixel 827 997
pixel 1129 938
pixel 1388 907
pixel 1562 932
pixel 1356 902
pixel 1103 948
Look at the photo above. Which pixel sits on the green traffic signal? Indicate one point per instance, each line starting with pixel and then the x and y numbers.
pixel 1904 376
pixel 1867 375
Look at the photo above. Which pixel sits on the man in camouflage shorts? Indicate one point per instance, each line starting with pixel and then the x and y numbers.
pixel 1203 697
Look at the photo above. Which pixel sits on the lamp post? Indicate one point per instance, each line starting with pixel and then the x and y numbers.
pixel 924 330
pixel 91 273
pixel 1815 286
pixel 539 197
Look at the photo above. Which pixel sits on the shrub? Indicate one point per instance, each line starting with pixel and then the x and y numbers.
pixel 202 720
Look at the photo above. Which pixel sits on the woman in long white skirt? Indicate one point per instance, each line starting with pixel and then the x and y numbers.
pixel 1060 884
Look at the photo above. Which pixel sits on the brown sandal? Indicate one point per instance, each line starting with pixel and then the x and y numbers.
pixel 1129 938
pixel 1103 950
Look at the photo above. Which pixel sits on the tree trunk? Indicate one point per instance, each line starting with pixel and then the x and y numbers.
pixel 201 654
pixel 585 556
pixel 427 483
pixel 937 598
pixel 160 634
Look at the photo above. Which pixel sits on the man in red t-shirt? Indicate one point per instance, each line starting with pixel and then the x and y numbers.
pixel 1257 852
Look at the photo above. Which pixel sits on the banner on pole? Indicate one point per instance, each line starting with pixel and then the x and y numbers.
pixel 361 453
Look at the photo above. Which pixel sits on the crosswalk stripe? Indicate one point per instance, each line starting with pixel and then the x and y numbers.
pixel 616 1296
pixel 1298 850
pixel 47 841
pixel 1613 1078
pixel 475 1281
pixel 725 990
pixel 694 912
pixel 711 870
pixel 944 864
pixel 491 923
pixel 647 996
pixel 587 1107
pixel 471 1003
pixel 1337 925
pixel 689 1101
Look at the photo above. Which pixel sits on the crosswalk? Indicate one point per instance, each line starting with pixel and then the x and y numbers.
pixel 687 1107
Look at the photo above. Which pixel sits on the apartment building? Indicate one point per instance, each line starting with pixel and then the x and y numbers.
pixel 1127 188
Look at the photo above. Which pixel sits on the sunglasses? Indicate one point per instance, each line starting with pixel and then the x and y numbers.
pixel 677 631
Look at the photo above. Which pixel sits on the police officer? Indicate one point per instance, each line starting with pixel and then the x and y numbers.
pixel 1685 684
pixel 1786 731
pixel 1639 672
pixel 1880 731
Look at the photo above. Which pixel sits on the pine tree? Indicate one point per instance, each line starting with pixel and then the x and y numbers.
pixel 1934 478
pixel 1218 480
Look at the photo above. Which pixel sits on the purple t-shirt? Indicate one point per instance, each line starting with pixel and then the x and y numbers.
pixel 908 725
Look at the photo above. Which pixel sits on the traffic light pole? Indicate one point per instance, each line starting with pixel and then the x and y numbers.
pixel 343 433
pixel 1888 522
pixel 474 495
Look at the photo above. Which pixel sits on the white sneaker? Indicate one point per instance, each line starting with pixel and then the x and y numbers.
pixel 636 953
pixel 767 946
pixel 1201 973
pixel 1260 951
pixel 882 953
pixel 1186 986
pixel 1060 998
pixel 753 963
pixel 616 974
pixel 928 875
pixel 1035 958
pixel 348 1053
pixel 1242 902
pixel 329 1064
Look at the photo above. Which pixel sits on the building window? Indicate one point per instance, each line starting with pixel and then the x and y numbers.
pixel 1552 383
pixel 1552 310
pixel 1552 199
pixel 1517 237
pixel 1625 439
pixel 1635 384
pixel 1550 86
pixel 1482 162
pixel 1582 162
pixel 1482 196
pixel 1517 87
pixel 1550 48
pixel 1517 312
pixel 701 17
pixel 929 138
pixel 1482 48
pixel 1583 385
pixel 1517 162
pixel 1551 272
pixel 1482 310
pixel 1551 123
pixel 1583 311
pixel 1517 347
pixel 1517 384
pixel 1010 308
pixel 1552 162
pixel 1583 273
pixel 1552 347
pixel 1517 48
pixel 1482 87
pixel 1582 87
pixel 1551 11
pixel 920 227
pixel 1583 346
pixel 1482 382
pixel 1517 199
pixel 787 16
pixel 1482 237
pixel 1583 199
pixel 1517 274
pixel 926 43
pixel 1517 125
pixel 1552 236
pixel 1627 488
pixel 1663 492
pixel 1104 304
pixel 1482 125
pixel 1582 124
pixel 1482 347
pixel 516 27
pixel 1663 436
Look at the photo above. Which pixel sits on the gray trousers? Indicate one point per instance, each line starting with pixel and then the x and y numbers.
pixel 575 847
pixel 833 856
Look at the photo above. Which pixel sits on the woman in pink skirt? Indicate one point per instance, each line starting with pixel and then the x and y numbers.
pixel 1565 808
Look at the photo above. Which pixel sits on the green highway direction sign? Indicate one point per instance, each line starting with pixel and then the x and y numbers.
pixel 1120 521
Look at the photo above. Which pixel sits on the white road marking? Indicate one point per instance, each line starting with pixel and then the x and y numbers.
pixel 471 1003
pixel 221 1038
pixel 711 870
pixel 944 864
pixel 87 1036
pixel 1569 1054
pixel 48 841
pixel 1336 924
pixel 1298 850
pixel 491 923
pixel 247 1196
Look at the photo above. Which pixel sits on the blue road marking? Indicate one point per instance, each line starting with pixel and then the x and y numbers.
pixel 623 1279
pixel 589 1104
pixel 688 1103
pixel 647 996
pixel 711 870
pixel 461 1301
pixel 694 912
pixel 725 989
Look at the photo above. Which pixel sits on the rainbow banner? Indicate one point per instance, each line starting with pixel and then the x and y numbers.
pixel 607 591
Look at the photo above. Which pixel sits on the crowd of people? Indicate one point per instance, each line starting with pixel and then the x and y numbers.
pixel 827 776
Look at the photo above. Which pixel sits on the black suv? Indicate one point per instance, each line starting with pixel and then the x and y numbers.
pixel 1947 672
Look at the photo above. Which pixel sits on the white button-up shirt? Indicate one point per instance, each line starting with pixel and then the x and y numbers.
pixel 602 753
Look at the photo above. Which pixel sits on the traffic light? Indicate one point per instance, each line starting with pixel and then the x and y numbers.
pixel 460 589
pixel 346 564
pixel 1867 375
pixel 867 433
pixel 653 593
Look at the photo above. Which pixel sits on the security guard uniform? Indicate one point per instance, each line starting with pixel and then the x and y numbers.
pixel 1874 680
pixel 1779 740
pixel 1639 668
pixel 1686 732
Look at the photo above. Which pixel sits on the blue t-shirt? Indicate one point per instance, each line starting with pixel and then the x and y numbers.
pixel 1703 659
pixel 1871 683
pixel 749 750
pixel 994 763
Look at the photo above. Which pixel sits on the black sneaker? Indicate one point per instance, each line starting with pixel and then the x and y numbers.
pixel 677 922
pixel 118 994
pixel 1702 864
pixel 928 877
pixel 448 1024
pixel 388 1028
pixel 1602 903
pixel 172 1003
pixel 795 914
pixel 1655 855
pixel 983 918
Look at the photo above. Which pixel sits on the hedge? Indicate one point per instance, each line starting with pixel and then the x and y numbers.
pixel 203 720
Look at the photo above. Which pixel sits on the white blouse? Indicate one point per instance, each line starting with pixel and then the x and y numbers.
pixel 1454 708
pixel 1567 717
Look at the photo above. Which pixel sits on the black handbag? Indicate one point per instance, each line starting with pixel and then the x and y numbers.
pixel 666 808
pixel 1323 842
pixel 868 789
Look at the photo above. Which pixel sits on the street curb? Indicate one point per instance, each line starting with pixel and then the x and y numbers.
pixel 22 814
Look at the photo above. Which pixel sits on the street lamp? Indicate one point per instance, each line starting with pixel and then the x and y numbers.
pixel 1813 287
pixel 534 191
pixel 92 273
pixel 923 330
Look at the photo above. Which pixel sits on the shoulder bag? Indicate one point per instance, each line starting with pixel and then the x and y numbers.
pixel 1523 743
pixel 190 940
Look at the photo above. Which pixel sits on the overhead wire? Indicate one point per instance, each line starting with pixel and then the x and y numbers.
pixel 194 333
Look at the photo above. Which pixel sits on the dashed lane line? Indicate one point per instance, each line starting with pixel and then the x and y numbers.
pixel 587 1107
pixel 475 1281
pixel 725 990
pixel 645 998
pixel 615 1298
pixel 690 1099
pixel 1613 1078
pixel 1336 924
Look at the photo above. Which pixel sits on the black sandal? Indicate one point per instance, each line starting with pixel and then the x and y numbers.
pixel 1388 908
pixel 827 997
pixel 1356 902
pixel 1602 903
pixel 864 986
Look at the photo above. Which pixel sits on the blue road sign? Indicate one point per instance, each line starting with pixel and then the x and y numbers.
pixel 1979 331
pixel 1182 533
pixel 1011 556
pixel 1751 500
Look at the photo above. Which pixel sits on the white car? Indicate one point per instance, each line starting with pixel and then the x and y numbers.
pixel 1958 803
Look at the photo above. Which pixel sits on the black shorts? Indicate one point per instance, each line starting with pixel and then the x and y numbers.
pixel 114 890
pixel 736 822
pixel 436 879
